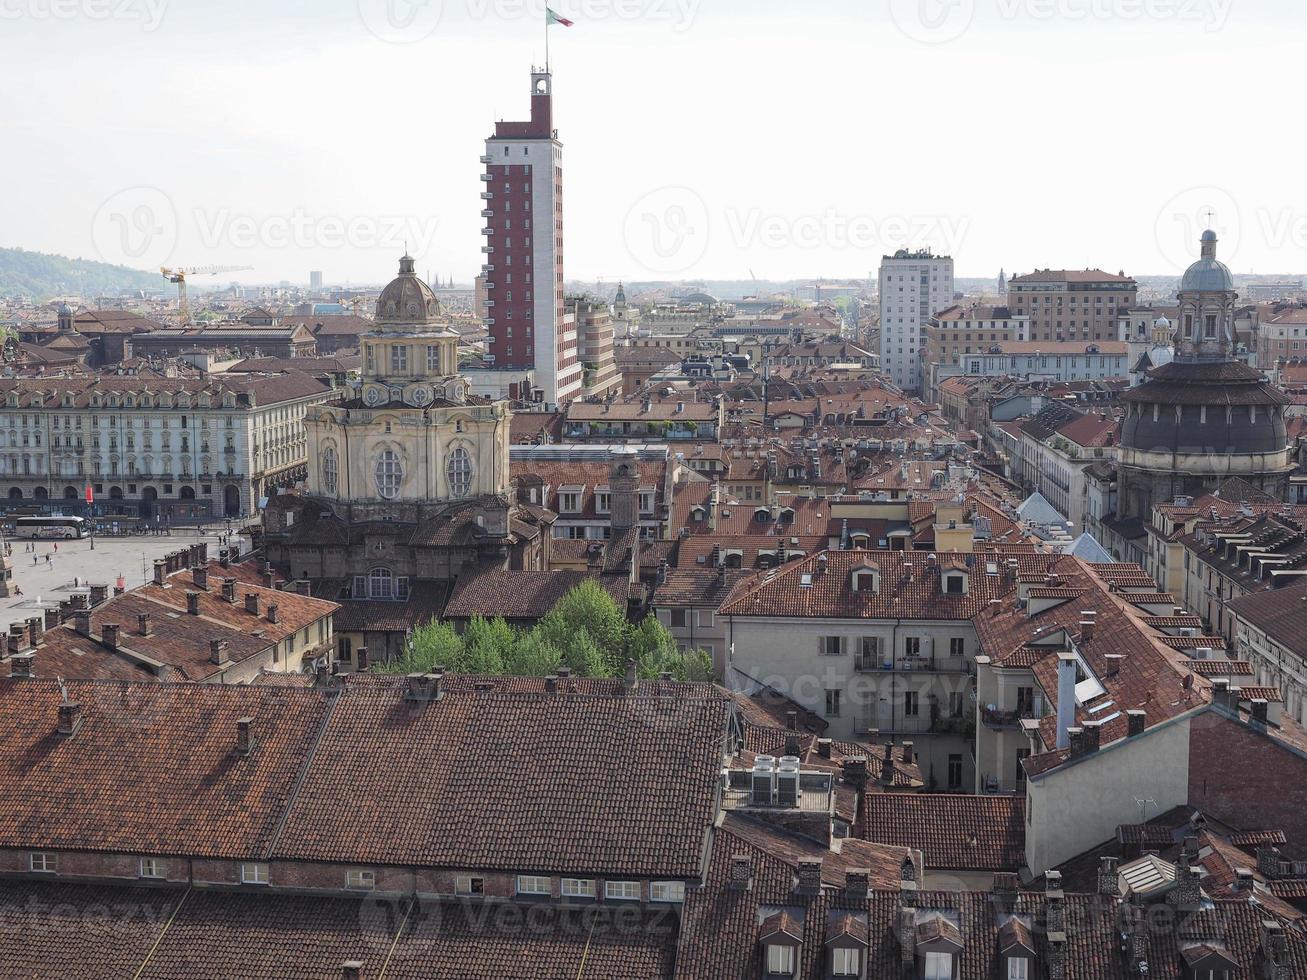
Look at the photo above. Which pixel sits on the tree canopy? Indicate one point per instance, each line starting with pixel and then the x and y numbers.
pixel 585 631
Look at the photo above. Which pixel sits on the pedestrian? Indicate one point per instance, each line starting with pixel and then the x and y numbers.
pixel 34 559
pixel 47 557
pixel 56 546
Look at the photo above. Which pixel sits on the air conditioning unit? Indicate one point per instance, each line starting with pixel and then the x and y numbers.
pixel 762 781
pixel 787 781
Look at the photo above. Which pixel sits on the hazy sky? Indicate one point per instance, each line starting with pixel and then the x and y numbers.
pixel 701 137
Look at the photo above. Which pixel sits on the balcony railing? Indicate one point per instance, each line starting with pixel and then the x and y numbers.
pixel 998 719
pixel 904 663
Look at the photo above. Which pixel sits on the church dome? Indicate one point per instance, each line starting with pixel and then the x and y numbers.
pixel 1208 274
pixel 407 299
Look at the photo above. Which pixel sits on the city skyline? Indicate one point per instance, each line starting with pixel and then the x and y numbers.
pixel 370 151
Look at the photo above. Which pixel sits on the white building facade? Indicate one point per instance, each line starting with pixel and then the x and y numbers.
pixel 913 286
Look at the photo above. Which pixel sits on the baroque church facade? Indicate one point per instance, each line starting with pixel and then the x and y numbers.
pixel 408 481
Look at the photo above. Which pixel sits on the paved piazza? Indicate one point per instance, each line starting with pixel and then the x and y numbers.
pixel 131 557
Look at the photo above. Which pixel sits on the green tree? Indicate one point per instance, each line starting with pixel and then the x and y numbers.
pixel 534 655
pixel 588 609
pixel 431 645
pixel 487 645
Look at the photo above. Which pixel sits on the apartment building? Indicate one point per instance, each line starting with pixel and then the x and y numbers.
pixel 955 332
pixel 913 286
pixel 1048 360
pixel 153 447
pixel 1071 304
pixel 1057 445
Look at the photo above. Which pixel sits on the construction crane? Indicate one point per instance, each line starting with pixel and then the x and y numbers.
pixel 178 276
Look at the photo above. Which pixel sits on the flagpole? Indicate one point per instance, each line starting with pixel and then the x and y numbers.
pixel 546 40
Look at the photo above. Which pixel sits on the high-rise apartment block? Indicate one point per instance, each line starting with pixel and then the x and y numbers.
pixel 913 286
pixel 530 329
pixel 1071 304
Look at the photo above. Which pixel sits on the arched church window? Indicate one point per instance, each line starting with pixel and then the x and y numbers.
pixel 381 584
pixel 458 469
pixel 330 471
pixel 389 474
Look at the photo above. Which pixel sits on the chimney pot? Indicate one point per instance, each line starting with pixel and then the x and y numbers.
pixel 23 665
pixel 741 872
pixel 632 678
pixel 229 590
pixel 82 622
pixel 274 613
pixel 1109 880
pixel 109 635
pixel 551 683
pixel 809 876
pixel 160 572
pixel 908 754
pixel 1076 739
pixel 70 717
pixel 98 594
pixel 1135 720
pixel 269 580
pixel 200 576
pixel 143 623
pixel 35 629
pixel 218 652
pixel 857 883
pixel 855 771
pixel 244 736
pixel 252 603
pixel 823 747
pixel 193 603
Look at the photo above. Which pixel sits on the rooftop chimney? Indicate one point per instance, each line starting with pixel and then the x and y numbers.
pixel 23 665
pixel 857 883
pixel 907 753
pixel 252 603
pixel 51 618
pixel 229 590
pixel 70 717
pixel 35 629
pixel 98 594
pixel 855 771
pixel 823 747
pixel 1259 709
pixel 1268 861
pixel 218 652
pixel 741 872
pixel 82 622
pixel 792 720
pixel 1093 735
pixel 1109 880
pixel 244 736
pixel 809 882
pixel 109 635
pixel 1066 697
pixel 551 683
pixel 193 603
pixel 1135 720
pixel 791 744
pixel 269 580
pixel 274 613
pixel 143 623
pixel 423 687
pixel 632 678
pixel 200 576
pixel 1086 629
pixel 351 970
pixel 160 572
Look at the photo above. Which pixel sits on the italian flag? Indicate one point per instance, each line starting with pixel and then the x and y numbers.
pixel 553 18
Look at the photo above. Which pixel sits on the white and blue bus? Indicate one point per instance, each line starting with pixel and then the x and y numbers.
pixel 51 527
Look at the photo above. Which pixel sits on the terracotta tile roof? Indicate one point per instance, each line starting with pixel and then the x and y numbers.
pixel 521 595
pixel 952 831
pixel 782 592
pixel 1221 668
pixel 426 601
pixel 706 587
pixel 518 782
pixel 1279 613
pixel 750 546
pixel 153 769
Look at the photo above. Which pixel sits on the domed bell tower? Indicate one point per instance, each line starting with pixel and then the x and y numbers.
pixel 1207 297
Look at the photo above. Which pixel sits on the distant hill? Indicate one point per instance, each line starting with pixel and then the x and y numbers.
pixel 41 277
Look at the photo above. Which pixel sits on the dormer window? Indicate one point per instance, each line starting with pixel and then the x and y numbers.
pixel 955 583
pixel 569 500
pixel 845 962
pixel 938 966
pixel 866 579
pixel 780 960
pixel 1018 968
pixel 780 936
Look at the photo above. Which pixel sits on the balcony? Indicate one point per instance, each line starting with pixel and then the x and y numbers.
pixel 487 249
pixel 486 158
pixel 487 178
pixel 999 720
pixel 487 213
pixel 487 231
pixel 485 271
pixel 487 195
pixel 907 664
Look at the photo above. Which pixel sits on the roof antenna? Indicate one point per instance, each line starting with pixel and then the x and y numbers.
pixel 63 689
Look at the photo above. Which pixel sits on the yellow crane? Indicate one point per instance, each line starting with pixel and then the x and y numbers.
pixel 178 276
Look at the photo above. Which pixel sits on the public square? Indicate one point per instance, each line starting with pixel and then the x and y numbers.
pixel 45 583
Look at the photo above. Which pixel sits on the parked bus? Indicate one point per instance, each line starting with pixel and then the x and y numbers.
pixel 51 527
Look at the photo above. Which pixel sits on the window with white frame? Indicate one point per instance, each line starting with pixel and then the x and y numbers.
pixel 43 862
pixel 646 501
pixel 629 890
pixel 329 470
pixel 469 885
pixel 938 966
pixel 569 500
pixel 845 962
pixel 433 359
pixel 578 888
pixel 533 885
pixel 399 358
pixel 458 470
pixel 603 500
pixel 360 878
pixel 780 959
pixel 667 891
pixel 381 584
pixel 389 474
pixel 153 868
pixel 254 873
pixel 1018 968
